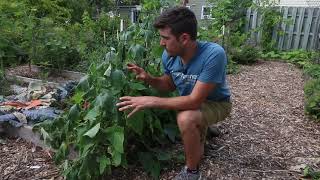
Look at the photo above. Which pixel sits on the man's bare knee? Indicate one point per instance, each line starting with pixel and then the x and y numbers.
pixel 188 119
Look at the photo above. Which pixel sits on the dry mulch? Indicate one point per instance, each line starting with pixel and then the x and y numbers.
pixel 51 75
pixel 267 136
pixel 20 160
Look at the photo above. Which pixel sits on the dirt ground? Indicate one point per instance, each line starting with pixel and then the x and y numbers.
pixel 267 136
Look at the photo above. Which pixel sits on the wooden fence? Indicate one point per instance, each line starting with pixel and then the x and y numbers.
pixel 300 28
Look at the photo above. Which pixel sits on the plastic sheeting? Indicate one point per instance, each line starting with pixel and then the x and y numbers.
pixel 33 111
pixel 32 116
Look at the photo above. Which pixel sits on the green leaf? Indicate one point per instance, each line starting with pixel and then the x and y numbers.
pixel 163 156
pixel 104 162
pixel 118 79
pixel 110 57
pixel 115 135
pixel 61 153
pixel 137 86
pixel 83 84
pixel 45 135
pixel 151 165
pixel 136 51
pixel 93 131
pixel 108 71
pixel 136 122
pixel 74 113
pixel 86 149
pixel 92 114
pixel 104 101
pixel 116 158
pixel 171 131
pixel 78 97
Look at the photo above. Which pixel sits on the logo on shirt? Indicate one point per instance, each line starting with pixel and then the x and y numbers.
pixel 185 79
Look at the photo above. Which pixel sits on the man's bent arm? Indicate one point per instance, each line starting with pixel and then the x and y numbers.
pixel 162 83
pixel 193 101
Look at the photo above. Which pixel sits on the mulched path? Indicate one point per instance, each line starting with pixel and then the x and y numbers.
pixel 267 136
pixel 20 160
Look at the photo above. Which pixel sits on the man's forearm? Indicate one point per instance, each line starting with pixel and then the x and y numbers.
pixel 176 103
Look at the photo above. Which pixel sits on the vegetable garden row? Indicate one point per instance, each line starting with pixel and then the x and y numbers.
pixel 71 34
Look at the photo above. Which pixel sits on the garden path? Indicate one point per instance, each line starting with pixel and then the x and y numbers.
pixel 267 136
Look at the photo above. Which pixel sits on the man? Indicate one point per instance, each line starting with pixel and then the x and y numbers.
pixel 198 71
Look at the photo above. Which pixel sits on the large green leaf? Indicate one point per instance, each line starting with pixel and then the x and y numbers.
pixel 136 122
pixel 104 101
pixel 118 79
pixel 93 131
pixel 136 51
pixel 115 135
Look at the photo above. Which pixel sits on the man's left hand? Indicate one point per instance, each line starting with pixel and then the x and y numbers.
pixel 135 103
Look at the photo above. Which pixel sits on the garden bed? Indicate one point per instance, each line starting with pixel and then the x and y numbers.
pixel 37 73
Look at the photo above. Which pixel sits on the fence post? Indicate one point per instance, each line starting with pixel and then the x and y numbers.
pixel 283 28
pixel 291 29
pixel 307 29
pixel 299 29
pixel 316 31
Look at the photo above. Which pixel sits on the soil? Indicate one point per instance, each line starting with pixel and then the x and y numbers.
pixel 267 135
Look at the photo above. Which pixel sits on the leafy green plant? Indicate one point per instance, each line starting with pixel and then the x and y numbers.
pixel 312 95
pixel 246 54
pixel 309 172
pixel 104 137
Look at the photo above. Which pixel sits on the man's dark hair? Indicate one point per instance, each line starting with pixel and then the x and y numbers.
pixel 180 20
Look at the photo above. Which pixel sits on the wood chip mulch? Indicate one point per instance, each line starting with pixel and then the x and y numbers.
pixel 267 135
pixel 20 160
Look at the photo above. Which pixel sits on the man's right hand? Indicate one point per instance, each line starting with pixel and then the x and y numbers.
pixel 141 74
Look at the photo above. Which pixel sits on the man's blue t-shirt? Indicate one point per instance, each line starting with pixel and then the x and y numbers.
pixel 208 65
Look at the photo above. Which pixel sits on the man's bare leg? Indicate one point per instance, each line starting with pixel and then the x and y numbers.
pixel 189 123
